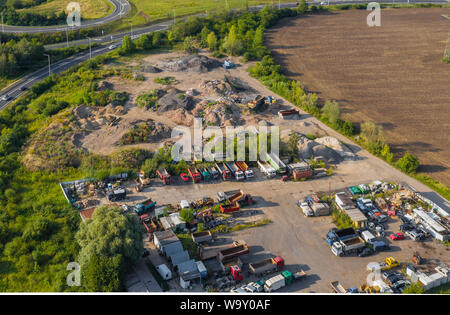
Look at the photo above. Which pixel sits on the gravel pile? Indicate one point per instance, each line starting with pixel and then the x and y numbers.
pixel 193 63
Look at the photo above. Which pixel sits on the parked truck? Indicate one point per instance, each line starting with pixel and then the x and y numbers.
pixel 237 173
pixel 266 169
pixel 245 169
pixel 348 246
pixel 223 171
pixel 214 172
pixel 282 280
pixel 337 287
pixel 206 176
pixel 335 235
pixel 164 175
pixel 145 206
pixel 201 237
pixel 226 195
pixel 229 207
pixel 209 253
pixel 276 163
pixel 227 254
pixel 234 267
pixel 195 175
pixel 266 266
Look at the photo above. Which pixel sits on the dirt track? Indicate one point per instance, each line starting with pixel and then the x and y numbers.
pixel 392 75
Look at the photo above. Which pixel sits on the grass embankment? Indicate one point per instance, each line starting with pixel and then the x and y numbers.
pixel 90 9
pixel 144 12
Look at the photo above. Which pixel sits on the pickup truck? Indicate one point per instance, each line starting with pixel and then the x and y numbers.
pixel 388 263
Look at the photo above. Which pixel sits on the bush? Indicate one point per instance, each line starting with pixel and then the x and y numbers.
pixel 408 163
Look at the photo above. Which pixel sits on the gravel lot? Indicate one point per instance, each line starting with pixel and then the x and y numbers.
pixel 300 240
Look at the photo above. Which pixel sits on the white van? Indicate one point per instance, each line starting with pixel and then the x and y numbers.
pixel 367 236
pixel 164 271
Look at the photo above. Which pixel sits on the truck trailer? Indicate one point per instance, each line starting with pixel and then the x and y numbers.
pixel 266 169
pixel 245 169
pixel 266 266
pixel 223 171
pixel 237 173
pixel 195 175
pixel 348 246
pixel 232 252
pixel 164 175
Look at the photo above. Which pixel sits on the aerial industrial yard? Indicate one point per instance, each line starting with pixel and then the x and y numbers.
pixel 251 149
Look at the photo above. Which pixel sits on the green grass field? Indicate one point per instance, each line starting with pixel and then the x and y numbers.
pixel 144 12
pixel 90 9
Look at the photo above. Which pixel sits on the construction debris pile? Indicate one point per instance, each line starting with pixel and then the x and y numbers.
pixel 193 63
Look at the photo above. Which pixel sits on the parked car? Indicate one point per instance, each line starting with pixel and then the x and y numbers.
pixel 415 235
pixel 404 219
pixel 5 97
pixel 406 227
pixel 397 236
pixel 251 288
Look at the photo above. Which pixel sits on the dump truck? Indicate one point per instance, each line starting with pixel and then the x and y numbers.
pixel 201 237
pixel 335 235
pixel 214 172
pixel 266 266
pixel 276 163
pixel 348 246
pixel 226 195
pixel 267 170
pixel 206 176
pixel 227 254
pixel 209 253
pixel 223 171
pixel 164 175
pixel 229 207
pixel 245 169
pixel 237 173
pixel 337 287
pixel 145 206
pixel 195 175
pixel 148 223
pixel 282 280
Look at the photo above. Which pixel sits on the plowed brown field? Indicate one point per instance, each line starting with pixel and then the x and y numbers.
pixel 391 75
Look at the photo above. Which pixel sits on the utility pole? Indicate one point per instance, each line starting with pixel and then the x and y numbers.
pixel 90 50
pixel 49 67
pixel 67 36
pixel 131 25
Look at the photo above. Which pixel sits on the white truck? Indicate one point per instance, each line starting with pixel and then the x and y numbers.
pixel 306 209
pixel 274 283
pixel 348 246
pixel 267 170
pixel 368 237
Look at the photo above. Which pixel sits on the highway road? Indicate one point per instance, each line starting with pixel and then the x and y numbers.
pixel 121 9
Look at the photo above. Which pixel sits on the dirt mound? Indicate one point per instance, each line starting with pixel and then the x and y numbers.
pixel 148 68
pixel 310 148
pixel 175 99
pixel 144 132
pixel 182 117
pixel 105 85
pixel 337 146
pixel 193 63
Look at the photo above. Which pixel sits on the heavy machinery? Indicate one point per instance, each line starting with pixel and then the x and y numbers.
pixel 164 175
pixel 417 259
pixel 143 179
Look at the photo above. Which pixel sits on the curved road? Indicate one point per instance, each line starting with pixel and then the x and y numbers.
pixel 121 8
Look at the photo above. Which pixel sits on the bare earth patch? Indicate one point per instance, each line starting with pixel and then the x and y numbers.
pixel 392 75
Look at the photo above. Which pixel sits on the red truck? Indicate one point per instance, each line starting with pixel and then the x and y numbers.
pixel 230 207
pixel 228 254
pixel 224 171
pixel 164 175
pixel 195 175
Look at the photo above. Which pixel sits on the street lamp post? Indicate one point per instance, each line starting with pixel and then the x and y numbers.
pixel 49 67
pixel 131 25
pixel 67 36
pixel 90 49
